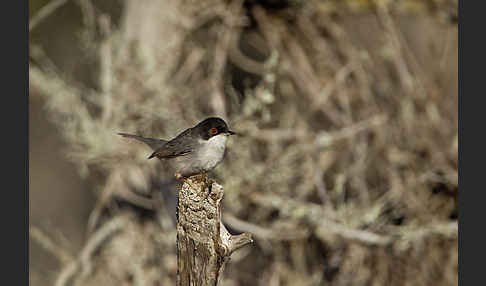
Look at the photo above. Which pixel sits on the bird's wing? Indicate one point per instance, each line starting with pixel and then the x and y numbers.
pixel 151 142
pixel 175 147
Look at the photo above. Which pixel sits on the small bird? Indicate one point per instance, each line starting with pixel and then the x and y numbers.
pixel 196 150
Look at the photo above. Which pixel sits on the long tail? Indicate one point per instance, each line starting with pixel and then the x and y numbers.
pixel 152 142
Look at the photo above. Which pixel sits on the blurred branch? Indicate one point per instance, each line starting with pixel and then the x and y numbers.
pixel 265 233
pixel 314 214
pixel 326 138
pixel 83 263
pixel 400 51
pixel 89 22
pixel 226 32
pixel 322 138
pixel 50 84
pixel 46 242
pixel 44 12
pixel 242 61
pixel 316 217
pixel 410 234
pixel 107 80
pixel 190 65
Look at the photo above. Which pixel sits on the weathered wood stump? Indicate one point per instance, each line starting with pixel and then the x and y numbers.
pixel 204 245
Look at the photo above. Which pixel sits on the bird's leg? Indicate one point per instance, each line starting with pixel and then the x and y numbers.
pixel 205 177
pixel 208 179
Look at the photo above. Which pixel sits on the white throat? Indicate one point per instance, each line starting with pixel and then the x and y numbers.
pixel 212 150
pixel 218 142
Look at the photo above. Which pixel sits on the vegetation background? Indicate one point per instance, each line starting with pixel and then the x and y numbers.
pixel 346 167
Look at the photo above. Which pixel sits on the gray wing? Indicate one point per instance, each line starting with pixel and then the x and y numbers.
pixel 151 142
pixel 176 147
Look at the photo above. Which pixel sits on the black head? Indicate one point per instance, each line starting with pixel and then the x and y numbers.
pixel 212 126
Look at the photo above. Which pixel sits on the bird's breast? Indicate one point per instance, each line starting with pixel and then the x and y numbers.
pixel 211 151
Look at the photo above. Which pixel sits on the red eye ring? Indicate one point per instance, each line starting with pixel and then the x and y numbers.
pixel 213 131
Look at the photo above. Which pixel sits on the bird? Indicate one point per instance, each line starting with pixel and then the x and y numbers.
pixel 196 150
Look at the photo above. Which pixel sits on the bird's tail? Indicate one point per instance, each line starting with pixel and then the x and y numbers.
pixel 151 142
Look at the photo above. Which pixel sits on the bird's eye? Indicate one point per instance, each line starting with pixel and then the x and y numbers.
pixel 213 131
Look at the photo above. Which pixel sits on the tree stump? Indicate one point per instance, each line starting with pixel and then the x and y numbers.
pixel 204 245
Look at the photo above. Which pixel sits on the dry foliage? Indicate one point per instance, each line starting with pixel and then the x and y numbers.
pixel 346 169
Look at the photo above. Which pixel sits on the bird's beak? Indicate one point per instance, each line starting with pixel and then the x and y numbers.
pixel 229 132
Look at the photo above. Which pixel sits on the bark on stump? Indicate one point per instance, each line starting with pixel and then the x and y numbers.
pixel 204 245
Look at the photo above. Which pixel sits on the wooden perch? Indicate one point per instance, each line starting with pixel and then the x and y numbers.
pixel 204 245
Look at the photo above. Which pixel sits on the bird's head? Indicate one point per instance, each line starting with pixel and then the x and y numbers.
pixel 213 126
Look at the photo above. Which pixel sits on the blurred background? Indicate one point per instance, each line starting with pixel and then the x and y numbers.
pixel 345 171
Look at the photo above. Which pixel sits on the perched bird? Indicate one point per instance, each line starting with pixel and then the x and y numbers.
pixel 196 150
